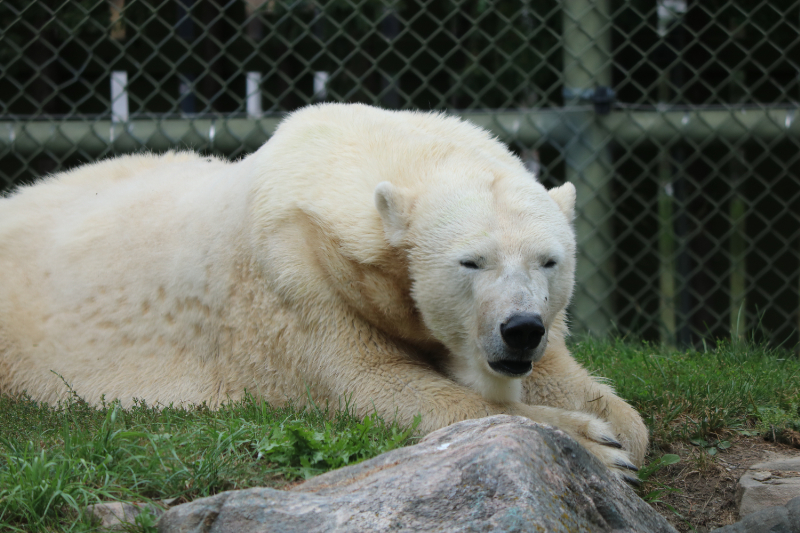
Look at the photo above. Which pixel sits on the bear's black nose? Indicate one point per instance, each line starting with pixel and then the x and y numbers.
pixel 523 331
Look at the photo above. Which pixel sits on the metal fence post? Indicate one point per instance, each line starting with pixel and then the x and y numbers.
pixel 119 96
pixel 737 211
pixel 390 81
pixel 670 15
pixel 587 64
pixel 184 28
pixel 253 95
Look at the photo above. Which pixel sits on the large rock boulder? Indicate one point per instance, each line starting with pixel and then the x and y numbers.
pixel 768 484
pixel 500 473
pixel 775 519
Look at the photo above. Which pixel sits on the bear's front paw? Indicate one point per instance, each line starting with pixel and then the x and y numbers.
pixel 594 434
pixel 597 436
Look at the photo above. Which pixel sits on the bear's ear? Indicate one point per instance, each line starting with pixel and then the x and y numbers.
pixel 565 198
pixel 392 206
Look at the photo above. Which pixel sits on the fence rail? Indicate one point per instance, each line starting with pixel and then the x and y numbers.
pixel 675 119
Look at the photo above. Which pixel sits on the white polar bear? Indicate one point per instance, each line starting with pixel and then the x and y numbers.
pixel 405 260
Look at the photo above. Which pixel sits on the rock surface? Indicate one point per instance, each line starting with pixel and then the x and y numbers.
pixel 777 519
pixel 768 484
pixel 500 473
pixel 114 516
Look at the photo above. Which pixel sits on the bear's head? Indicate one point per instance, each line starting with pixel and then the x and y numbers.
pixel 491 258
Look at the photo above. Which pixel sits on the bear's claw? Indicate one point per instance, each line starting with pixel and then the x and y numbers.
pixel 632 481
pixel 626 465
pixel 608 441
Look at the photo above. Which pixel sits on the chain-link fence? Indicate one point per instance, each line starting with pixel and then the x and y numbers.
pixel 675 119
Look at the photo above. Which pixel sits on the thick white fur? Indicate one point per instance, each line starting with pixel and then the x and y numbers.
pixel 328 262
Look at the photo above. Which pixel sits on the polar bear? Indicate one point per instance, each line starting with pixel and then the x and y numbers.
pixel 404 260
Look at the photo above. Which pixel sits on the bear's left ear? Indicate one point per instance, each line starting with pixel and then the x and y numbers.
pixel 393 207
pixel 565 198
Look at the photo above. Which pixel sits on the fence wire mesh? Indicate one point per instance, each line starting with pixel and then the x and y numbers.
pixel 675 119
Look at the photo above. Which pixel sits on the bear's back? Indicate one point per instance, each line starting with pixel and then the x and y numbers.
pixel 55 199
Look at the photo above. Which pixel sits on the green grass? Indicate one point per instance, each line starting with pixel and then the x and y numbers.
pixel 685 395
pixel 54 461
pixel 702 397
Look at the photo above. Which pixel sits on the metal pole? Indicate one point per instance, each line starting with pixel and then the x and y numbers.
pixel 390 79
pixel 253 94
pixel 587 64
pixel 737 212
pixel 666 237
pixel 666 248
pixel 670 13
pixel 119 96
pixel 184 28
pixel 27 137
pixel 321 77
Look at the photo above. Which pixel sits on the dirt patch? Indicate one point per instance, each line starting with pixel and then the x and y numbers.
pixel 707 485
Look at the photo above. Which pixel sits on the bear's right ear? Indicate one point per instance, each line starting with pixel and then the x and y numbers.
pixel 565 198
pixel 392 207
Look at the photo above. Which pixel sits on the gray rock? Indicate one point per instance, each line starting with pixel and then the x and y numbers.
pixel 500 473
pixel 793 507
pixel 776 519
pixel 115 515
pixel 768 484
